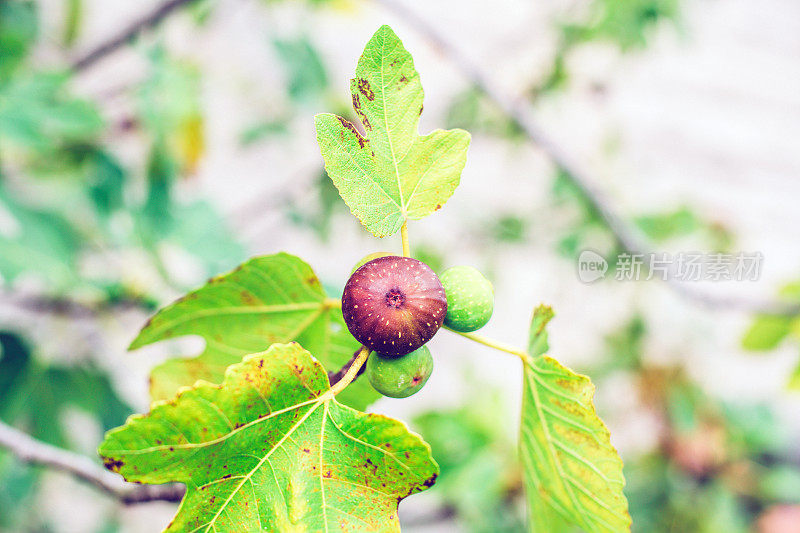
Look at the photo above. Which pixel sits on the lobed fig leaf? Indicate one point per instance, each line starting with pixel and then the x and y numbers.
pixel 390 173
pixel 572 474
pixel 270 449
pixel 269 299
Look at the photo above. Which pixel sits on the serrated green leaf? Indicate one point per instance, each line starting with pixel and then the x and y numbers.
pixel 391 174
pixel 766 332
pixel 269 299
pixel 272 450
pixel 573 476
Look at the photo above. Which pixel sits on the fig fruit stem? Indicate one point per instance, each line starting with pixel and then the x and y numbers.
pixel 404 236
pixel 497 345
pixel 332 303
pixel 352 372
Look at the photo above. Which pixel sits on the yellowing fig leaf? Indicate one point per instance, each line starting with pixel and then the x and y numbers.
pixel 389 174
pixel 269 299
pixel 573 476
pixel 270 449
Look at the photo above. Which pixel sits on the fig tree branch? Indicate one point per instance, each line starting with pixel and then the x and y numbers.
pixel 519 112
pixel 128 34
pixel 354 369
pixel 336 377
pixel 29 450
pixel 57 305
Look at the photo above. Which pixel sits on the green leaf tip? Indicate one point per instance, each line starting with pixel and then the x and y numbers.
pixel 387 173
pixel 537 342
pixel 270 449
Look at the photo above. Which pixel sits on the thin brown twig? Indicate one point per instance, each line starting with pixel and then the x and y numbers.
pixel 29 450
pixel 128 34
pixel 336 377
pixel 58 305
pixel 518 111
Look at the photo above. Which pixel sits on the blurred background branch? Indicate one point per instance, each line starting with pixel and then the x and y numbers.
pixel 519 111
pixel 32 451
pixel 185 145
pixel 60 305
pixel 128 34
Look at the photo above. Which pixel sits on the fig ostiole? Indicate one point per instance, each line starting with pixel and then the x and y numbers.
pixel 470 298
pixel 393 305
pixel 400 377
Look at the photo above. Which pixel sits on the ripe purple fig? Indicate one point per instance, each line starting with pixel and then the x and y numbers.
pixel 394 305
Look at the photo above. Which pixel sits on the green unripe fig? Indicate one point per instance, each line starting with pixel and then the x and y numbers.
pixel 367 258
pixel 470 298
pixel 400 377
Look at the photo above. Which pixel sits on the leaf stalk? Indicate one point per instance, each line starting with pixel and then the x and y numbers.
pixel 497 345
pixel 404 236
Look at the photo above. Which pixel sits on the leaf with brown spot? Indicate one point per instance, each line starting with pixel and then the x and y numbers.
pixel 572 473
pixel 280 454
pixel 393 174
pixel 273 298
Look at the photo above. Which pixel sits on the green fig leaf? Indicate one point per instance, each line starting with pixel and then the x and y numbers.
pixel 269 299
pixel 271 449
pixel 390 174
pixel 573 476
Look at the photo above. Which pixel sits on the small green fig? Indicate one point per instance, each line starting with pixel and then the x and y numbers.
pixel 400 377
pixel 367 258
pixel 470 298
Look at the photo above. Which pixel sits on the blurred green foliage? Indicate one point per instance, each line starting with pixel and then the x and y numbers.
pixel 317 216
pixel 626 24
pixel 718 464
pixel 472 111
pixel 66 193
pixel 18 31
pixel 767 332
pixel 307 78
pixel 683 222
pixel 479 481
pixel 36 395
pixel 65 197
